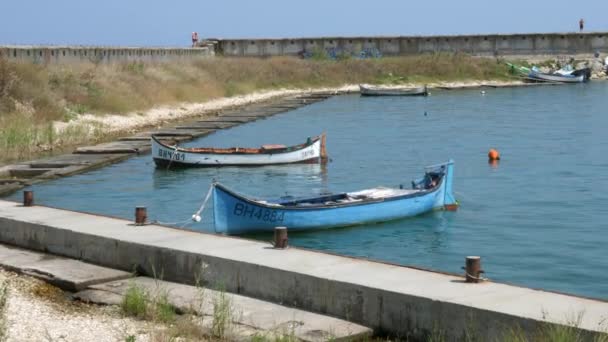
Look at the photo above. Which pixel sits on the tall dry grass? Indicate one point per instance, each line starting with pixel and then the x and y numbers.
pixel 32 96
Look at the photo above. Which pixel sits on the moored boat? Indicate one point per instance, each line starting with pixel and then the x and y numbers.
pixel 312 151
pixel 370 90
pixel 238 214
pixel 556 77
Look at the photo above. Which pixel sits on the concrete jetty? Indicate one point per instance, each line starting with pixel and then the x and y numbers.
pixel 401 300
pixel 249 317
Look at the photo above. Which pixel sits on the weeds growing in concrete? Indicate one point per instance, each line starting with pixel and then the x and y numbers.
pixel 223 313
pixel 135 301
pixel 437 334
pixel 139 303
pixel 3 306
pixel 162 310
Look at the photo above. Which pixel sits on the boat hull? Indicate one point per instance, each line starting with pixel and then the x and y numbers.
pixel 557 78
pixel 165 155
pixel 237 214
pixel 375 91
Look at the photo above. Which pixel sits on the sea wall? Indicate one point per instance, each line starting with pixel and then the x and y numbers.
pixel 482 45
pixel 99 54
pixel 402 301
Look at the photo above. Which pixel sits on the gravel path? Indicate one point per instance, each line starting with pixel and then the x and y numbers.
pixel 37 311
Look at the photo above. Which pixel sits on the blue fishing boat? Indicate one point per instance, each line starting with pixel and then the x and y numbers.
pixel 238 214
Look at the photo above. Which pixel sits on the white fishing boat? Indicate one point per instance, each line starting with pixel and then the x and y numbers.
pixel 371 90
pixel 166 155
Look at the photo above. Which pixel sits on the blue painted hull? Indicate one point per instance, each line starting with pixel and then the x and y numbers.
pixel 237 214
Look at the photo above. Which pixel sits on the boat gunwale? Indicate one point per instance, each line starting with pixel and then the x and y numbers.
pixel 174 163
pixel 277 206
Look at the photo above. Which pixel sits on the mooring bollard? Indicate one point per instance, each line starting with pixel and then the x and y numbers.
pixel 28 198
pixel 473 269
pixel 280 237
pixel 141 215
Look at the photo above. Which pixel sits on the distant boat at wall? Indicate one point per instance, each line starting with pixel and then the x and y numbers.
pixel 570 78
pixel 370 90
pixel 238 214
pixel 312 151
pixel 564 75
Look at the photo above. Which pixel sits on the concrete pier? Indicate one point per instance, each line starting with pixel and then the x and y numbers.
pixel 400 300
pixel 100 285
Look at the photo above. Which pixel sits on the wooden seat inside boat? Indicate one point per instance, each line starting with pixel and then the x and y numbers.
pixel 273 147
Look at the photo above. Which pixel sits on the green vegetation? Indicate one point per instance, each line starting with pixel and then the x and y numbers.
pixel 3 304
pixel 138 303
pixel 223 313
pixel 135 301
pixel 32 96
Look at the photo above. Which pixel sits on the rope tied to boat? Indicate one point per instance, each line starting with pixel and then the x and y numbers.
pixel 173 156
pixel 197 216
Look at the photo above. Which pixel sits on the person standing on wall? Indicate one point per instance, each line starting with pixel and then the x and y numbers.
pixel 581 24
pixel 194 38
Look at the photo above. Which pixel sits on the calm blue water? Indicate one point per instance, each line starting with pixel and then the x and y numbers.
pixel 538 218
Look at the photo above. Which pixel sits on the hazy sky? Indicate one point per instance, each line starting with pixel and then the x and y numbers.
pixel 169 23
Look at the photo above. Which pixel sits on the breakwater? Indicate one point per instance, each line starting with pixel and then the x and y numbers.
pixel 522 44
pixel 482 45
pixel 101 54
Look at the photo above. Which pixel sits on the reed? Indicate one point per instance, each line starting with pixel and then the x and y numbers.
pixel 3 307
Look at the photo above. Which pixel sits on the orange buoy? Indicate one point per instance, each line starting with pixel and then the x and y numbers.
pixel 493 154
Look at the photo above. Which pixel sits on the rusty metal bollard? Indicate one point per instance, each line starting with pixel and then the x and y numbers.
pixel 28 198
pixel 141 214
pixel 473 269
pixel 280 237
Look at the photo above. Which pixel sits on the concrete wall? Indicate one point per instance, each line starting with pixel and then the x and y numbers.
pixel 353 289
pixel 69 54
pixel 483 45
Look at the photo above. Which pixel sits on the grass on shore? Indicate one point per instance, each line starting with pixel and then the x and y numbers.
pixel 33 96
pixel 3 304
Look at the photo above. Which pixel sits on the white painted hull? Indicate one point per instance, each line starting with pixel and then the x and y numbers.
pixel 557 78
pixel 171 155
pixel 394 91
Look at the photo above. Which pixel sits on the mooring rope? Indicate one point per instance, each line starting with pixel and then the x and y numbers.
pixel 173 156
pixel 169 223
pixel 476 278
pixel 196 217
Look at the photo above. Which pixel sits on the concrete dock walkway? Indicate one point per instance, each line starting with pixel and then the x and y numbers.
pixel 400 300
pixel 248 317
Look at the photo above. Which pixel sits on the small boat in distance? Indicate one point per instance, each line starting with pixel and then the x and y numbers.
pixel 370 90
pixel 564 75
pixel 237 214
pixel 569 78
pixel 312 151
